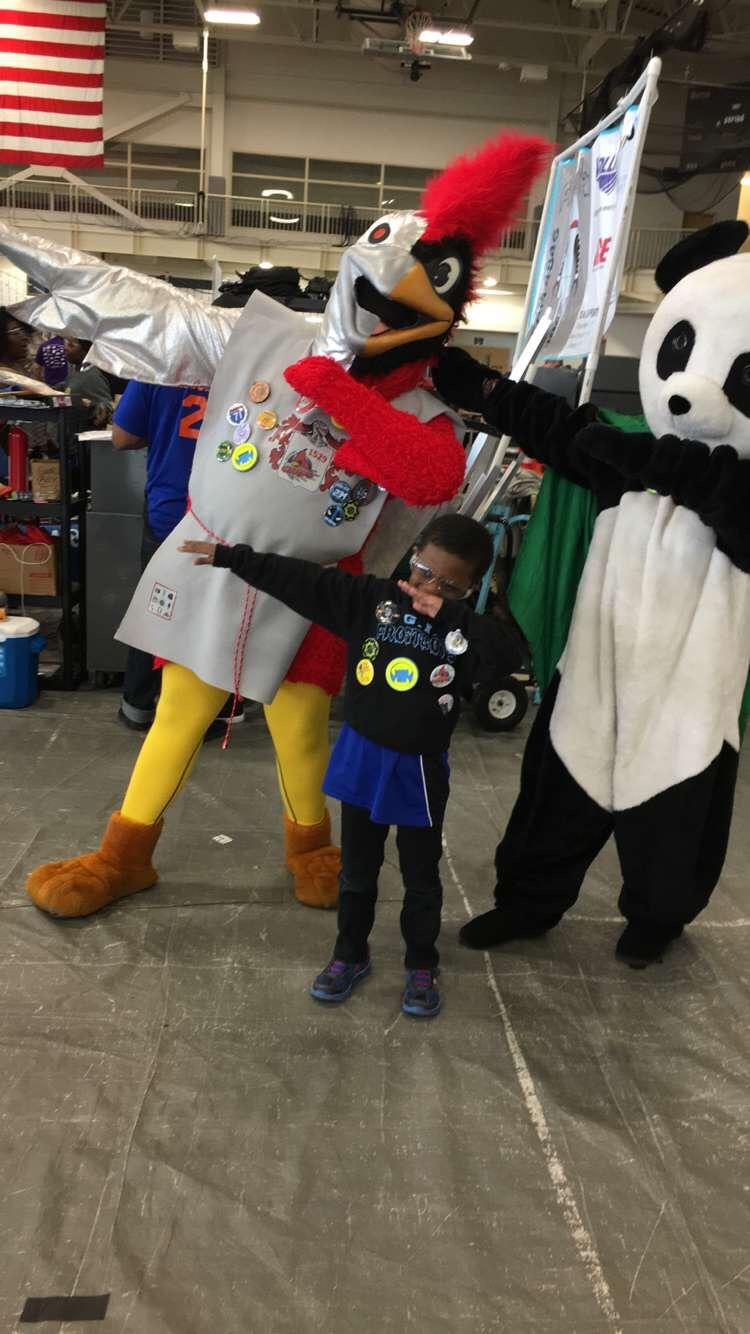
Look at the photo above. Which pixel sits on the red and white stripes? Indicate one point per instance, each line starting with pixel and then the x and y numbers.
pixel 51 64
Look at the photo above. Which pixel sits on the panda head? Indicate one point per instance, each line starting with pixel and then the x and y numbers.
pixel 695 366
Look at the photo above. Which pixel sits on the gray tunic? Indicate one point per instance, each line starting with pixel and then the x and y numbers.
pixel 209 620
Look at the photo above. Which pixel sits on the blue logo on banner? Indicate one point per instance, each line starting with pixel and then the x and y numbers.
pixel 606 173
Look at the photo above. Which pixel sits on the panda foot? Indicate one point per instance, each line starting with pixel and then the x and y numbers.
pixel 498 927
pixel 641 944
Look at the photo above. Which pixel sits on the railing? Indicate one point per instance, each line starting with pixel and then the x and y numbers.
pixel 647 245
pixel 225 215
pixel 234 216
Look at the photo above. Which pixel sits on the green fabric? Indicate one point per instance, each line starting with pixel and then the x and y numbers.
pixel 544 583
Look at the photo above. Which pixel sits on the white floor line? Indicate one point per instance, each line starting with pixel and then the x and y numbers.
pixel 693 926
pixel 581 1237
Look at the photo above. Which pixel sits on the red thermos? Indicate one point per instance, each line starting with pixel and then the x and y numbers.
pixel 18 449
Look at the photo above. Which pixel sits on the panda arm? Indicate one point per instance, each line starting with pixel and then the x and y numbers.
pixel 544 425
pixel 714 483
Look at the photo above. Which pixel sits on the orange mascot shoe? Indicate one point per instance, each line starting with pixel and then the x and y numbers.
pixel 83 885
pixel 313 861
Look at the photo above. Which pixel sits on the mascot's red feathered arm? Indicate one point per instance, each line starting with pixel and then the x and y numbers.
pixel 421 463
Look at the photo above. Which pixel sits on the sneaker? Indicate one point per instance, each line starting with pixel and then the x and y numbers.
pixel 421 996
pixel 338 980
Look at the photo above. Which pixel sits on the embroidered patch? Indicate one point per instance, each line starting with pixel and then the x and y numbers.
pixel 371 648
pixel 306 466
pixel 162 600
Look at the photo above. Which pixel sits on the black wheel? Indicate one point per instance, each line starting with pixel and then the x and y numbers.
pixel 501 707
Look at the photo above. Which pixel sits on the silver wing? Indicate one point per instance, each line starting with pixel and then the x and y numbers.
pixel 141 328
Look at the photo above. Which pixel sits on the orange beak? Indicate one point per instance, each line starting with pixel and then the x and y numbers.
pixel 416 292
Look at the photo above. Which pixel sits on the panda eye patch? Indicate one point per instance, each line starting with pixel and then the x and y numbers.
pixel 737 384
pixel 674 353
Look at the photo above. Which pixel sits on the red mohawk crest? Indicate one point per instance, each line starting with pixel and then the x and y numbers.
pixel 477 196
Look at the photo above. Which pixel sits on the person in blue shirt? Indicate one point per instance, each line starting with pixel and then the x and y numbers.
pixel 165 421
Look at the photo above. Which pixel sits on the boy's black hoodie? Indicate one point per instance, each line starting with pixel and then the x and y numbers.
pixel 394 694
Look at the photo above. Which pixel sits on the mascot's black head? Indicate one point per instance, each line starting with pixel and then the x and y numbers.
pixel 695 366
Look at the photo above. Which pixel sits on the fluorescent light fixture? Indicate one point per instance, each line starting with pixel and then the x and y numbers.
pixel 276 194
pixel 265 264
pixel 247 18
pixel 183 203
pixel 285 222
pixel 446 37
pixel 496 291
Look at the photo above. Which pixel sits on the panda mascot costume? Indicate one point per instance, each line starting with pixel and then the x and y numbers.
pixel 638 733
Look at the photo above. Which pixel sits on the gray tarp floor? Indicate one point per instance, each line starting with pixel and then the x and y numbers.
pixel 564 1149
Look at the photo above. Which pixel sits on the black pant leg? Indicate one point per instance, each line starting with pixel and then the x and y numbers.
pixel 672 848
pixel 362 851
pixel 554 833
pixel 419 852
pixel 141 685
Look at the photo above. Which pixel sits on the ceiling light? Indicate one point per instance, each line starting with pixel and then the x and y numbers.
pixel 446 37
pixel 182 203
pixel 496 291
pixel 276 194
pixel 286 222
pixel 265 264
pixel 246 17
pixel 490 282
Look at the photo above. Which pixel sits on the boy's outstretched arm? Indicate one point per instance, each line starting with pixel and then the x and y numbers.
pixel 328 596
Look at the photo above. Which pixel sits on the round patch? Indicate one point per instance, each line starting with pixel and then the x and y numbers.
pixel 442 676
pixel 402 674
pixel 371 648
pixel 333 516
pixel 445 703
pixel 245 457
pixel 364 671
pixel 224 451
pixel 364 492
pixel 351 510
pixel 260 390
pixel 266 420
pixel 386 612
pixel 340 491
pixel 455 642
pixel 237 414
pixel 241 433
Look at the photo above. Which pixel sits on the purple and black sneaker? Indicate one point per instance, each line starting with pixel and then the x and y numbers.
pixel 421 996
pixel 338 980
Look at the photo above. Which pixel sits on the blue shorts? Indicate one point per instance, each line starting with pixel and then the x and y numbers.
pixel 393 787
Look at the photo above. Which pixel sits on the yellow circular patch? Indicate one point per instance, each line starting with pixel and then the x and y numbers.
pixel 245 457
pixel 402 674
pixel 365 671
pixel 266 420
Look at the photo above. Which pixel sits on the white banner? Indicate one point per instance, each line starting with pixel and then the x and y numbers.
pixel 580 253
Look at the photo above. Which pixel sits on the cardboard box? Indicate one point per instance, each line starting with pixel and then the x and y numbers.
pixel 31 570
pixel 45 479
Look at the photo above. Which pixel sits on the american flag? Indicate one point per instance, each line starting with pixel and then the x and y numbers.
pixel 51 63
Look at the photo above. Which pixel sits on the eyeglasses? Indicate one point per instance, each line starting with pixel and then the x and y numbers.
pixel 444 586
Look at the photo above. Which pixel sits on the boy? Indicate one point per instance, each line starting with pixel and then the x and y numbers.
pixel 413 648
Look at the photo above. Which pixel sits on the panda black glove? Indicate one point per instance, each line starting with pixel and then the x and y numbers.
pixel 626 453
pixel 462 381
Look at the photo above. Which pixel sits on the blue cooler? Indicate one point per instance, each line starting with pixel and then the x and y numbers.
pixel 20 646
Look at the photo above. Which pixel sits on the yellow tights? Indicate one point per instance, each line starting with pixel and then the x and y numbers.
pixel 297 720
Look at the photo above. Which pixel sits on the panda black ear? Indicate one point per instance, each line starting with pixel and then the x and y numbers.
pixel 700 248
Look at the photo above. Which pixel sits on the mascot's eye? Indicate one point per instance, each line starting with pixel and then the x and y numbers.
pixel 737 384
pixel 379 233
pixel 674 353
pixel 444 274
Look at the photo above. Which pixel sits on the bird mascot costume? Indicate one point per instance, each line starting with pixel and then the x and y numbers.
pixel 638 732
pixel 304 450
